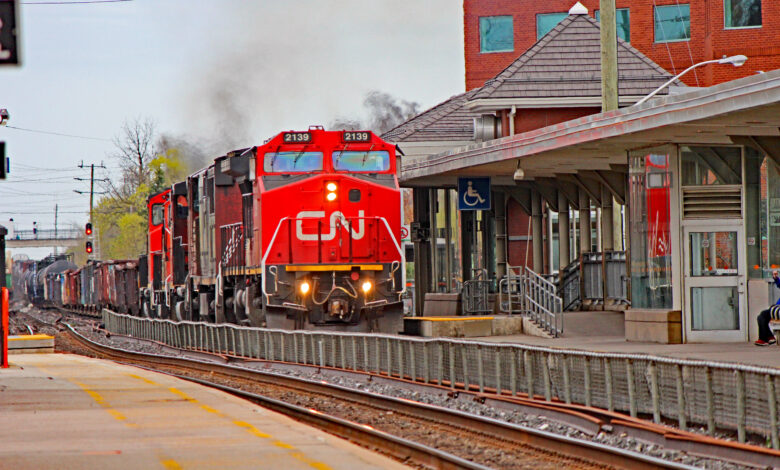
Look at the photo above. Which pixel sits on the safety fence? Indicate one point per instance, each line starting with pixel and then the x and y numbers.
pixel 717 395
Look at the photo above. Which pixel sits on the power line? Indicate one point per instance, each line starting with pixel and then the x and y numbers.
pixel 61 134
pixel 41 212
pixel 74 3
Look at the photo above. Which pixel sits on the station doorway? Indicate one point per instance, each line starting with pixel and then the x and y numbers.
pixel 714 280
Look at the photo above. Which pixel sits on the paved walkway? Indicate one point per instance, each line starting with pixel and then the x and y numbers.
pixel 61 411
pixel 604 331
pixel 745 353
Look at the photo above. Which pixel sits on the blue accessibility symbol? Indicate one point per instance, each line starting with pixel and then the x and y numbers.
pixel 474 193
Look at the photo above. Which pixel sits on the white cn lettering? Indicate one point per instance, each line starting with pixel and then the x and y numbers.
pixel 336 218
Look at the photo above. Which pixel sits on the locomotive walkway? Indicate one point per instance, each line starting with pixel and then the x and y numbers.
pixel 66 411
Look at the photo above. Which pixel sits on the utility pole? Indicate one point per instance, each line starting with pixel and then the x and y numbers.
pixel 611 226
pixel 91 185
pixel 56 210
pixel 91 167
pixel 609 69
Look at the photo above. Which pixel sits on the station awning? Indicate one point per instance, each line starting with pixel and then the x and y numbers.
pixel 745 111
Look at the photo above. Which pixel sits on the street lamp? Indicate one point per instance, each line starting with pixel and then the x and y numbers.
pixel 735 60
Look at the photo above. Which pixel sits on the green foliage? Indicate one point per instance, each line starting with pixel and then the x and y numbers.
pixel 121 225
pixel 121 222
pixel 167 168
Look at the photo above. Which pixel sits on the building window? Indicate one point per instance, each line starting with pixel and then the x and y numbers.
pixel 496 34
pixel 673 23
pixel 742 13
pixel 650 185
pixel 622 23
pixel 546 22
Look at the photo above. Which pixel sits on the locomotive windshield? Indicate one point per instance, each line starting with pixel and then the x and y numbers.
pixel 293 162
pixel 356 160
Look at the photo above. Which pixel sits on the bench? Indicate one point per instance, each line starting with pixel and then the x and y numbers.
pixel 774 325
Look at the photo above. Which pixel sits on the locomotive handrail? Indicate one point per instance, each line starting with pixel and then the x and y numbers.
pixel 291 219
pixel 268 252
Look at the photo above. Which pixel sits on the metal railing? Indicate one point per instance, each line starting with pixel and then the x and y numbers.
pixel 542 303
pixel 569 288
pixel 691 392
pixel 522 291
pixel 475 293
pixel 511 297
pixel 46 234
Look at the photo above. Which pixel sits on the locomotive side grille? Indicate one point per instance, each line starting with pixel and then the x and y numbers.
pixel 157 271
pixel 246 206
pixel 706 202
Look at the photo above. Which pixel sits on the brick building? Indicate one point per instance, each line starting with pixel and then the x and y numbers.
pixel 672 33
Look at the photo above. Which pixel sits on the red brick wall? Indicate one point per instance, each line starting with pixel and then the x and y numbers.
pixel 709 39
pixel 530 119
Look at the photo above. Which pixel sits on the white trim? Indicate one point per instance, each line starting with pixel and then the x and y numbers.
pixel 727 28
pixel 488 104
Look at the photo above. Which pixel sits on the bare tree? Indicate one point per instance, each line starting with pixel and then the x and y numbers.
pixel 134 150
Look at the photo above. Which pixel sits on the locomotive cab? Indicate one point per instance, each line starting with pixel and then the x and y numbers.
pixel 327 216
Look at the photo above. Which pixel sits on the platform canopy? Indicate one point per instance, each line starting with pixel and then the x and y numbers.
pixel 744 111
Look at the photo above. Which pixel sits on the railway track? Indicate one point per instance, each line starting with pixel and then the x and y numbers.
pixel 415 433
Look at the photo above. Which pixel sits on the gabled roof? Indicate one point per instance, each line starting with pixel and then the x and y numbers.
pixel 566 63
pixel 447 121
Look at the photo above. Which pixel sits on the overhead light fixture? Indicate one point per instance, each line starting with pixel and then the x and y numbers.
pixel 735 60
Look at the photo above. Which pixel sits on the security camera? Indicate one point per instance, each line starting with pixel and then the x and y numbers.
pixel 4 116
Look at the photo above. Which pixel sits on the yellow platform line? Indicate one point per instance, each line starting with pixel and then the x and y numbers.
pixel 28 337
pixel 250 428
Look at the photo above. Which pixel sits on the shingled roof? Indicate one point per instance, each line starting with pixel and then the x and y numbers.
pixel 445 122
pixel 566 63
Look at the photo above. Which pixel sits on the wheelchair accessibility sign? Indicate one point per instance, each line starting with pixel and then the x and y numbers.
pixel 474 193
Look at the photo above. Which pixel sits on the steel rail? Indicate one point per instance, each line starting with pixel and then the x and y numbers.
pixel 554 443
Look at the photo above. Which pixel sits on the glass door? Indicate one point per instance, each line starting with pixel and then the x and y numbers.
pixel 714 281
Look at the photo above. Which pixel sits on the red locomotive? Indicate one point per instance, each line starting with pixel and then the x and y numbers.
pixel 301 232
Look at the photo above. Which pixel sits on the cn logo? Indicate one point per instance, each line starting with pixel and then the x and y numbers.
pixel 331 226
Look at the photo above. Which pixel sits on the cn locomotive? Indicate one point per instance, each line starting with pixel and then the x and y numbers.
pixel 302 232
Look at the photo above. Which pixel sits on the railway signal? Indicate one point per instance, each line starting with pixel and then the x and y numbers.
pixel 88 229
pixel 89 247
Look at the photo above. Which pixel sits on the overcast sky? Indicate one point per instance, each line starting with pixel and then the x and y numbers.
pixel 228 72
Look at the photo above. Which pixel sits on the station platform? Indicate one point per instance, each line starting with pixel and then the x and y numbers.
pixel 24 344
pixel 604 332
pixel 62 411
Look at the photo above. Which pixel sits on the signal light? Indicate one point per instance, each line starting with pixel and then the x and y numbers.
pixel 89 247
pixel 88 229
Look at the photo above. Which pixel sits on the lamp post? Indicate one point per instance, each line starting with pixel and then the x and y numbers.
pixel 735 60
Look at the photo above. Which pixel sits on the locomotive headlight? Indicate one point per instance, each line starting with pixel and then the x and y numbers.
pixel 304 287
pixel 367 287
pixel 331 187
